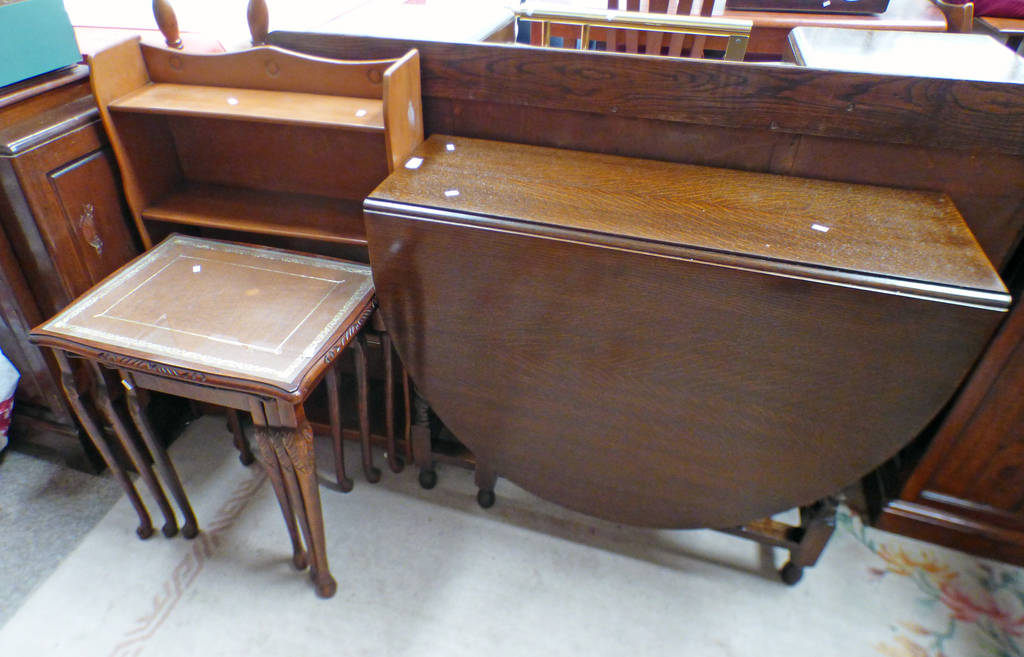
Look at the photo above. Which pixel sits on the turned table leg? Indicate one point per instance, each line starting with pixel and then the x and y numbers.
pixel 67 380
pixel 139 460
pixel 269 460
pixel 294 444
pixel 419 439
pixel 407 403
pixel 163 464
pixel 389 401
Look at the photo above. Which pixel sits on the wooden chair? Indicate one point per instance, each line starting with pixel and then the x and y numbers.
pixel 959 17
pixel 644 30
pixel 655 40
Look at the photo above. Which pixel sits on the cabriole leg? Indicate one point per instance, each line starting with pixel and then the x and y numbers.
pixel 163 464
pixel 296 445
pixel 389 402
pixel 268 458
pixel 67 380
pixel 140 462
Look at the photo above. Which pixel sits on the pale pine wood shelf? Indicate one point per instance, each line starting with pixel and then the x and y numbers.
pixel 263 145
pixel 264 212
pixel 279 107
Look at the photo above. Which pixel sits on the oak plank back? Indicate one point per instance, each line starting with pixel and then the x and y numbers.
pixel 960 137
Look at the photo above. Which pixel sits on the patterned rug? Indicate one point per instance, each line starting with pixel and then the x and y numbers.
pixel 429 573
pixel 963 606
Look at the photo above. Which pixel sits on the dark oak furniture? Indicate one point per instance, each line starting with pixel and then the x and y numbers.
pixel 64 227
pixel 866 128
pixel 698 347
pixel 924 54
pixel 671 33
pixel 967 492
pixel 256 330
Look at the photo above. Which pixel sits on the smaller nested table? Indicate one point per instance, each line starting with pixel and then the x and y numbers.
pixel 245 327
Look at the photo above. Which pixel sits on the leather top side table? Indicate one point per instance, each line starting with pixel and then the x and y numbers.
pixel 245 327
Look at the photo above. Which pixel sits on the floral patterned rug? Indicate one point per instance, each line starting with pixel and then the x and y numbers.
pixel 969 608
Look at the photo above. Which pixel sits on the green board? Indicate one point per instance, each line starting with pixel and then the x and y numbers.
pixel 35 37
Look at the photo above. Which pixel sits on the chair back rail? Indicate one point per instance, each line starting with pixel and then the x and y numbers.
pixel 959 17
pixel 736 32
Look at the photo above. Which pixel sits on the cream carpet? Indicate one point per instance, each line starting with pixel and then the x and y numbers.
pixel 426 573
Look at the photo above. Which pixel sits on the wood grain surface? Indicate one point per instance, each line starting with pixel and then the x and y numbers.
pixel 858 229
pixel 255 105
pixel 961 138
pixel 604 372
pixel 964 138
pixel 266 68
pixel 726 94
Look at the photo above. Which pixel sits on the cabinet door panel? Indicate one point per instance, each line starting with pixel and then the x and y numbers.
pixel 967 492
pixel 72 188
pixel 95 225
pixel 986 462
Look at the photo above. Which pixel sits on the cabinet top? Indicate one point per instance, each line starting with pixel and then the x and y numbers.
pixel 910 242
pixel 21 91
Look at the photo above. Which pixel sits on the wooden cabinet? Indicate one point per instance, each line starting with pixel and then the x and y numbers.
pixel 65 227
pixel 967 491
pixel 261 145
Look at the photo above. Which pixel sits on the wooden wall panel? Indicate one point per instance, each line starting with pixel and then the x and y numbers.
pixel 870 107
pixel 964 138
pixel 986 187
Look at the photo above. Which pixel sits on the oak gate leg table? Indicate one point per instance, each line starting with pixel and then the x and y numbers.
pixel 244 327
